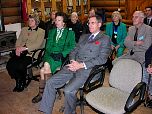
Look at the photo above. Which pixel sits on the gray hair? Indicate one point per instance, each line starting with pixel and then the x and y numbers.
pixel 140 13
pixel 74 13
pixel 35 16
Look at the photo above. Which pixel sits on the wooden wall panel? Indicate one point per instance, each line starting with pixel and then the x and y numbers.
pixel 12 19
pixel 10 3
pixel 105 3
pixel 11 11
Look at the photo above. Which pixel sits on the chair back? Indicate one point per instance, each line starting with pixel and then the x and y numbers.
pixel 125 74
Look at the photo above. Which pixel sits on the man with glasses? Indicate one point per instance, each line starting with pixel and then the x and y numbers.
pixel 92 49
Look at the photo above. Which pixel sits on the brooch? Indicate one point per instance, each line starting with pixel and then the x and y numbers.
pixel 97 42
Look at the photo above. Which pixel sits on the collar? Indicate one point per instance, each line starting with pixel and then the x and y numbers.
pixel 33 29
pixel 95 34
pixel 116 25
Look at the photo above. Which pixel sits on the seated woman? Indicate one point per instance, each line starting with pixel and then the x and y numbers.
pixel 60 42
pixel 30 38
pixel 117 32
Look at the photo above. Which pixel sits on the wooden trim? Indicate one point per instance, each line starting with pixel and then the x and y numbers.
pixel 29 7
pixel 74 5
pixel 64 5
pixel 42 10
pixel 53 5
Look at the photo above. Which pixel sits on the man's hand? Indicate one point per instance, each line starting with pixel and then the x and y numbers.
pixel 139 42
pixel 128 38
pixel 19 50
pixel 149 69
pixel 74 65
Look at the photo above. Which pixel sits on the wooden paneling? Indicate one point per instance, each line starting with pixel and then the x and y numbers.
pixel 10 3
pixel 105 3
pixel 11 11
pixel 127 7
pixel 12 19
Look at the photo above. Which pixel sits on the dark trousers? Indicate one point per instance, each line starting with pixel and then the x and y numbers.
pixel 17 67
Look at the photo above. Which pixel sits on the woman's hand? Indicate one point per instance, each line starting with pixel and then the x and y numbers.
pixel 117 47
pixel 19 50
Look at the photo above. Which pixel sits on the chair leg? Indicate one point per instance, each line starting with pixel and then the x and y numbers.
pixel 81 102
pixel 59 94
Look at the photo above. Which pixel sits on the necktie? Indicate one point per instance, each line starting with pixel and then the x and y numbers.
pixel 91 37
pixel 136 35
pixel 59 34
pixel 148 21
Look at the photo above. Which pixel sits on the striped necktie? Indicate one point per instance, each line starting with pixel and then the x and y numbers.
pixel 91 37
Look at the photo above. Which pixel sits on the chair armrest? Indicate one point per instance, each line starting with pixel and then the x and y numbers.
pixel 38 59
pixel 91 84
pixel 136 97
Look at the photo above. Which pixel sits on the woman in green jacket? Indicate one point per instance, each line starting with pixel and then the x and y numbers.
pixel 60 42
pixel 117 32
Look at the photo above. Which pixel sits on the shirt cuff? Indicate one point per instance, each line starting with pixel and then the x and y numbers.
pixel 84 65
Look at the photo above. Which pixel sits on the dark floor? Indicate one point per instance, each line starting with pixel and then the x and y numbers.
pixel 20 103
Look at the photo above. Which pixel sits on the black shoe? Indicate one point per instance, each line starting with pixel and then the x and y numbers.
pixel 37 98
pixel 149 104
pixel 21 86
pixel 17 85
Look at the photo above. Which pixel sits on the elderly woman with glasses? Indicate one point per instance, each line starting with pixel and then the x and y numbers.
pixel 117 32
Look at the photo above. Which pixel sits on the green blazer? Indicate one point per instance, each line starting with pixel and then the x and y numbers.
pixel 65 45
pixel 121 35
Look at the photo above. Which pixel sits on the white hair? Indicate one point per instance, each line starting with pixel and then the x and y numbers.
pixel 74 13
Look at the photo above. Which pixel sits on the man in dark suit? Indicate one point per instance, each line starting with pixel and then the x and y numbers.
pixel 148 65
pixel 92 49
pixel 148 19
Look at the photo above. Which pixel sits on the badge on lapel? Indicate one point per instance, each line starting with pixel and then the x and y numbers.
pixel 97 42
pixel 141 38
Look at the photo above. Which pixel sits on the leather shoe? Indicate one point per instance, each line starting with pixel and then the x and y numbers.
pixel 17 85
pixel 37 98
pixel 21 86
pixel 149 104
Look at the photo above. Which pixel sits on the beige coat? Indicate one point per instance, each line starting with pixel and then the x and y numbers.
pixel 33 39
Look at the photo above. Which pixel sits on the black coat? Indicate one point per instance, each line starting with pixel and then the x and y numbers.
pixel 148 56
pixel 145 21
pixel 77 28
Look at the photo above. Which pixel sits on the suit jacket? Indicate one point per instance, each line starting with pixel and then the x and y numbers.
pixel 93 52
pixel 145 34
pixel 148 56
pixel 33 39
pixel 121 34
pixel 65 44
pixel 145 21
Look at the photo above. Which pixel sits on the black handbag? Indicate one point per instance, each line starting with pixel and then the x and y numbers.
pixel 59 56
pixel 23 54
